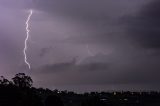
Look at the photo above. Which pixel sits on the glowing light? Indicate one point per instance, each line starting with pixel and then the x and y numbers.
pixel 88 50
pixel 27 37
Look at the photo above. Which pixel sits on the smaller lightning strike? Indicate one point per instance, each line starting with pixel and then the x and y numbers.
pixel 88 50
pixel 26 40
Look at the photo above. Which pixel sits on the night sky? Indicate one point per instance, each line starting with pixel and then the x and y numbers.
pixel 83 45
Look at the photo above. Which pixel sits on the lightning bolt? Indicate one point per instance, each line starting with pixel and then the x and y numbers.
pixel 27 37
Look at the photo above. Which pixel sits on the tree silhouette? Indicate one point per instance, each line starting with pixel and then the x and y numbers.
pixel 53 100
pixel 22 81
pixel 4 81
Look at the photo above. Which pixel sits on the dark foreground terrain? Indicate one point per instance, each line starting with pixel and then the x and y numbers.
pixel 19 92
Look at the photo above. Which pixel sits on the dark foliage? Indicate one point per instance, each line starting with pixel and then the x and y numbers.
pixel 53 100
pixel 22 81
pixel 20 92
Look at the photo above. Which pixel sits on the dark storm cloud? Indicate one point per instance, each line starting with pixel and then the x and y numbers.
pixel 72 66
pixel 44 51
pixel 144 26
pixel 70 25
pixel 133 69
pixel 59 67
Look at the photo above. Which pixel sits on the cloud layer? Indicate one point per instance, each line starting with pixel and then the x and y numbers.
pixel 83 43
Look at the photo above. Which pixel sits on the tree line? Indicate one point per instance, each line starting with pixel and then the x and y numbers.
pixel 19 92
